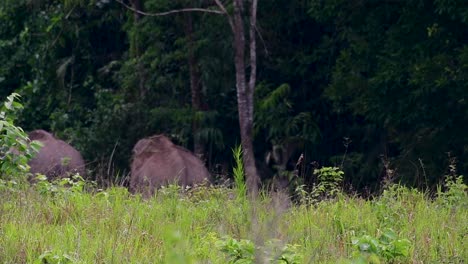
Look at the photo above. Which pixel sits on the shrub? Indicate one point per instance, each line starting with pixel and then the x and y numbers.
pixel 15 148
pixel 388 247
pixel 456 192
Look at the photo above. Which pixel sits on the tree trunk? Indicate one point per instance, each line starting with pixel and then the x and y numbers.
pixel 138 5
pixel 253 57
pixel 244 102
pixel 195 84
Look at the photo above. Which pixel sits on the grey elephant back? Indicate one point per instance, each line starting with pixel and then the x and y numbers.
pixel 157 162
pixel 56 158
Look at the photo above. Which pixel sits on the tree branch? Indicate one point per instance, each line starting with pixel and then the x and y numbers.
pixel 221 6
pixel 229 18
pixel 262 40
pixel 204 10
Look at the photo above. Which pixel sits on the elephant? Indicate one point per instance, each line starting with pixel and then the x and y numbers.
pixel 157 162
pixel 56 158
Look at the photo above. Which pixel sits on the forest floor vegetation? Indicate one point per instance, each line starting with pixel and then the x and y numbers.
pixel 71 221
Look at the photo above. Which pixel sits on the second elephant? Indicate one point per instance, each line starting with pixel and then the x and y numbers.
pixel 157 162
pixel 56 158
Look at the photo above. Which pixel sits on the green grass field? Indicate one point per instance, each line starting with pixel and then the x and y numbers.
pixel 53 224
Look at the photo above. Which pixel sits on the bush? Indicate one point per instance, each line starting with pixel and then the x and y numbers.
pixel 15 148
pixel 456 192
pixel 388 247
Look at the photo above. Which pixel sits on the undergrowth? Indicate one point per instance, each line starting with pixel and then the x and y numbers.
pixel 70 221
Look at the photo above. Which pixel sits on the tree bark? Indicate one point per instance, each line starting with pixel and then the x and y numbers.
pixel 244 99
pixel 253 57
pixel 138 5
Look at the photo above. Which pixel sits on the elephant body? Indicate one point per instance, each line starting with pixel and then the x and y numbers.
pixel 56 158
pixel 157 162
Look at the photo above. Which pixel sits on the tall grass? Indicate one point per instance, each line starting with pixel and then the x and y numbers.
pixel 209 225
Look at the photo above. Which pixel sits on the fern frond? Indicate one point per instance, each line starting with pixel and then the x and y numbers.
pixel 276 97
pixel 211 135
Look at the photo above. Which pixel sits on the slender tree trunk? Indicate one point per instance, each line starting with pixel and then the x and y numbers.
pixel 195 83
pixel 138 5
pixel 244 100
pixel 253 57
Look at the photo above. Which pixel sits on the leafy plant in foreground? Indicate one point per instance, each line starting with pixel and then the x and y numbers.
pixel 243 251
pixel 15 148
pixel 74 184
pixel 387 247
pixel 289 254
pixel 238 251
pixel 456 191
pixel 50 257
pixel 329 181
pixel 238 171
pixel 395 203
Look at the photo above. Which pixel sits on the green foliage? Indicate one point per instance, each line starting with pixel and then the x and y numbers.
pixel 60 54
pixel 208 133
pixel 290 254
pixel 400 68
pixel 456 194
pixel 391 207
pixel 388 247
pixel 329 183
pixel 238 171
pixel 50 257
pixel 242 251
pixel 275 114
pixel 327 186
pixel 62 187
pixel 15 148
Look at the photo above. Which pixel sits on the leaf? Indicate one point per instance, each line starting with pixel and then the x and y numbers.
pixel 276 97
pixel 401 247
pixel 388 236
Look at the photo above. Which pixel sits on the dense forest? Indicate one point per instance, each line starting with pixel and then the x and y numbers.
pixel 377 87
